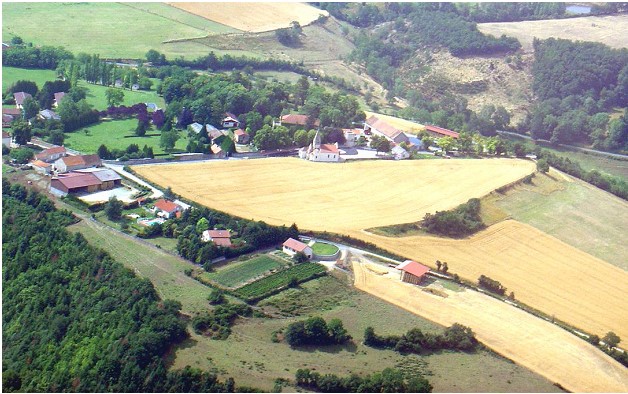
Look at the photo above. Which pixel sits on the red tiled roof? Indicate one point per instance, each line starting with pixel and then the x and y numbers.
pixel 414 268
pixel 297 119
pixel 165 205
pixel 383 127
pixel 92 160
pixel 59 96
pixel 73 160
pixel 219 233
pixel 6 135
pixel 40 163
pixel 11 111
pixel 440 130
pixel 20 97
pixel 239 132
pixel 295 245
pixel 75 180
pixel 329 148
pixel 50 151
pixel 225 242
pixel 353 131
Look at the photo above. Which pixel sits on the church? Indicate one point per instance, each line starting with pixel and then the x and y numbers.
pixel 320 152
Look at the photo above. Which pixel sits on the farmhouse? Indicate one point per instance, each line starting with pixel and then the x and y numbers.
pixel 9 115
pixel 51 154
pixel 219 237
pixel 298 120
pixel 6 139
pixel 20 97
pixel 440 132
pixel 351 136
pixel 241 137
pixel 41 167
pixel 292 247
pixel 230 120
pixel 167 209
pixel 399 153
pixel 374 125
pixel 320 152
pixel 70 163
pixel 58 97
pixel 412 272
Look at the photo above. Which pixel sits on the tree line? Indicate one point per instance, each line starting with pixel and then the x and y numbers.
pixel 387 381
pixel 461 221
pixel 456 337
pixel 76 320
pixel 317 332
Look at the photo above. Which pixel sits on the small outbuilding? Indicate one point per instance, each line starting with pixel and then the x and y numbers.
pixel 412 272
pixel 292 247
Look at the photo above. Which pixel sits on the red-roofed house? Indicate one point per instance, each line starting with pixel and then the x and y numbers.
pixel 412 272
pixel 241 137
pixel 219 237
pixel 167 209
pixel 20 97
pixel 377 126
pixel 439 132
pixel 292 247
pixel 9 115
pixel 298 120
pixel 352 136
pixel 230 120
pixel 51 154
pixel 41 166
pixel 70 163
pixel 58 97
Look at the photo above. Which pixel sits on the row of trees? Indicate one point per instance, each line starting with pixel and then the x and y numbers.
pixel 58 289
pixel 387 381
pixel 461 221
pixel 456 337
pixel 491 285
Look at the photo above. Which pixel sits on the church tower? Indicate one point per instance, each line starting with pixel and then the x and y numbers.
pixel 317 141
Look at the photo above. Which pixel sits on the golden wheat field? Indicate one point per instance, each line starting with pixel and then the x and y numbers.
pixel 254 17
pixel 401 124
pixel 605 29
pixel 532 342
pixel 541 270
pixel 338 197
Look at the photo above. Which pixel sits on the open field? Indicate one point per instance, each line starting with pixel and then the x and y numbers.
pixel 254 17
pixel 117 134
pixel 573 211
pixel 605 29
pixel 542 271
pixel 532 342
pixel 163 270
pixel 236 273
pixel 335 197
pixel 109 29
pixel 401 124
pixel 252 359
pixel 10 75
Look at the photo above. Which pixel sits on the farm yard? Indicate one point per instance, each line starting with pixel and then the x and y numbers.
pixel 605 29
pixel 76 27
pixel 254 17
pixel 336 197
pixel 253 359
pixel 534 343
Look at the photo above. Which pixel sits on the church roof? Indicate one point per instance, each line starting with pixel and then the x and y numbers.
pixel 329 148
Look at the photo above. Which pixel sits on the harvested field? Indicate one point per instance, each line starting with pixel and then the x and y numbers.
pixel 532 342
pixel 543 272
pixel 401 124
pixel 605 29
pixel 340 197
pixel 254 17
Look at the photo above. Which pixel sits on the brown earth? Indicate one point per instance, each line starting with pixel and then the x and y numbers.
pixel 532 342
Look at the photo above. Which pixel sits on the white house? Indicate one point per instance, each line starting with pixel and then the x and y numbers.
pixel 292 247
pixel 352 136
pixel 167 209
pixel 230 120
pixel 219 237
pixel 399 153
pixel 320 152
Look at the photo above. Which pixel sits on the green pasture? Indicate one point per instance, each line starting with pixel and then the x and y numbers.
pixel 117 134
pixel 10 75
pixel 237 273
pixel 113 30
pixel 324 249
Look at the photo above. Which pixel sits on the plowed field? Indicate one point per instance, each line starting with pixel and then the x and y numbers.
pixel 532 342
pixel 254 17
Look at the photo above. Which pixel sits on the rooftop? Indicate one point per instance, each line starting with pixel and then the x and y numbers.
pixel 295 245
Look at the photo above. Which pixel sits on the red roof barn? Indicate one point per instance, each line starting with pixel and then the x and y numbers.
pixel 412 272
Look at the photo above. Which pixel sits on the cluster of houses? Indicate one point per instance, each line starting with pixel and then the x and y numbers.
pixel 229 122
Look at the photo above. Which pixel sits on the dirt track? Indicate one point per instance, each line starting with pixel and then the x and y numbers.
pixel 529 341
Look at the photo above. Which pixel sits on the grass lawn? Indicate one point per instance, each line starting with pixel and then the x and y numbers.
pixel 169 244
pixel 162 269
pixel 109 29
pixel 117 134
pixel 324 249
pixel 10 75
pixel 253 359
pixel 237 273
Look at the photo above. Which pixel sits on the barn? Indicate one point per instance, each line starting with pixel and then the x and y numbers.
pixel 74 182
pixel 292 247
pixel 439 132
pixel 412 272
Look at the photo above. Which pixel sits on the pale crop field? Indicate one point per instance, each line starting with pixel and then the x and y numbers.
pixel 529 341
pixel 338 197
pixel 605 29
pixel 254 17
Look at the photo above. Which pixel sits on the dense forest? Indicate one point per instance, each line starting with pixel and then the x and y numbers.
pixel 75 320
pixel 578 86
